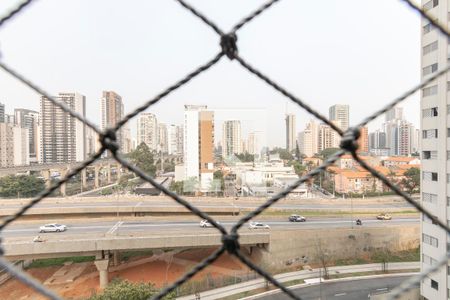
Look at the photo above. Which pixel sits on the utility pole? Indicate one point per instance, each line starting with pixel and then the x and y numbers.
pixel 351 204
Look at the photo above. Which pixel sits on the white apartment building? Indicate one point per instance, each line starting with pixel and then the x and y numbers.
pixel 308 140
pixel 328 138
pixel 147 130
pixel 14 146
pixel 63 138
pixel 231 138
pixel 290 132
pixel 199 145
pixel 163 141
pixel 340 114
pixel 435 151
pixel 29 119
pixel 255 142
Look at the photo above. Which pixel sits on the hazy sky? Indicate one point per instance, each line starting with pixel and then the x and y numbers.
pixel 357 52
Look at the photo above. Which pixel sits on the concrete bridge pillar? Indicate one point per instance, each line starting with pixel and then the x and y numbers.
pixel 46 175
pixel 96 178
pixel 108 173
pixel 116 258
pixel 63 174
pixel 102 267
pixel 119 172
pixel 83 179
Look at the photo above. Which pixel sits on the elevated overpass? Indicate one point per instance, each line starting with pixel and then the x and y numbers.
pixel 103 248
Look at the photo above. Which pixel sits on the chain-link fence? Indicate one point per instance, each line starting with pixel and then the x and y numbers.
pixel 230 239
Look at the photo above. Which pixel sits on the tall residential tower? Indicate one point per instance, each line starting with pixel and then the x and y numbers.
pixel 435 151
pixel 63 138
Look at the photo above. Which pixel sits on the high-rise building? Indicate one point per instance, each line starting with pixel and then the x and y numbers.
pixel 112 112
pixel 29 119
pixel 395 113
pixel 92 142
pixel 199 144
pixel 377 140
pixel 327 138
pixel 163 142
pixel 340 113
pixel 10 119
pixel 290 132
pixel 63 138
pixel 308 140
pixel 254 144
pixel 434 151
pixel 175 140
pixel 2 113
pixel 231 138
pixel 206 145
pixel 14 145
pixel 363 140
pixel 127 144
pixel 147 130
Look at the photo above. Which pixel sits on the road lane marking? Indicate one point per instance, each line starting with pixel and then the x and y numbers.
pixel 340 294
pixel 382 289
pixel 115 227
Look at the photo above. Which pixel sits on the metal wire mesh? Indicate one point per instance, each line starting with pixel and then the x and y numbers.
pixel 230 239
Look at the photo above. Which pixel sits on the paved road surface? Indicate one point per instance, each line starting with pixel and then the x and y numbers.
pixel 157 227
pixel 121 203
pixel 348 290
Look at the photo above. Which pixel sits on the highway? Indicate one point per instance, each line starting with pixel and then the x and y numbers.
pixel 161 227
pixel 349 290
pixel 199 204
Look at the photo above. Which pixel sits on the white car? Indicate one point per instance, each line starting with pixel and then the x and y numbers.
pixel 258 225
pixel 205 223
pixel 53 227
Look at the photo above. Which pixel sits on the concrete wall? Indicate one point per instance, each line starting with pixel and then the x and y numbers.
pixel 289 247
pixel 92 246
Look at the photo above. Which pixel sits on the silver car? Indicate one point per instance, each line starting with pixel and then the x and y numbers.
pixel 258 225
pixel 53 227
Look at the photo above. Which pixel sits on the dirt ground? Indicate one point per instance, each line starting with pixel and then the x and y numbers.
pixel 163 270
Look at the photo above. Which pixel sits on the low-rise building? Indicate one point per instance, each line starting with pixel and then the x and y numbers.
pixel 392 161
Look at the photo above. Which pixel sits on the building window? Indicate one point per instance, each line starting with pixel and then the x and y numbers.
pixel 430 198
pixel 428 260
pixel 429 91
pixel 429 69
pixel 427 28
pixel 430 4
pixel 430 112
pixel 430 240
pixel 434 284
pixel 430 176
pixel 430 134
pixel 430 47
pixel 429 154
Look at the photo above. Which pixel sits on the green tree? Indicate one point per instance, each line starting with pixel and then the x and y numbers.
pixel 325 153
pixel 298 167
pixel 298 156
pixel 21 186
pixel 284 154
pixel 177 187
pixel 122 289
pixel 412 180
pixel 142 157
pixel 190 185
pixel 245 157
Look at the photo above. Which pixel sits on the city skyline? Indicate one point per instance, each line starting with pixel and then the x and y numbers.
pixel 297 73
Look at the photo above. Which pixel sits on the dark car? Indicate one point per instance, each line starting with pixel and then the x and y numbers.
pixel 297 218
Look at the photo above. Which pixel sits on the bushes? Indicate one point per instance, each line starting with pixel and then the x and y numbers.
pixel 125 290
pixel 21 186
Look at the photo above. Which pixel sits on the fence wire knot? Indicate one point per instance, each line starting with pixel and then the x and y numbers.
pixel 349 141
pixel 230 241
pixel 109 140
pixel 228 44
